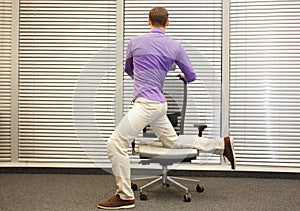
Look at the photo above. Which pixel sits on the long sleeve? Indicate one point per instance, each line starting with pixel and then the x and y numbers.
pixel 128 68
pixel 186 66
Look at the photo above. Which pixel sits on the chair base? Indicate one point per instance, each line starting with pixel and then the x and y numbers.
pixel 166 180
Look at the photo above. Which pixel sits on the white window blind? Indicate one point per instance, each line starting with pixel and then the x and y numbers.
pixel 197 25
pixel 5 78
pixel 265 82
pixel 67 80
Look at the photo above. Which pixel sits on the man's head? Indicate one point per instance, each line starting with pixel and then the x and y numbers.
pixel 158 17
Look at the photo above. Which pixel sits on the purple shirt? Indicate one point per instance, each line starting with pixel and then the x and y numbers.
pixel 148 60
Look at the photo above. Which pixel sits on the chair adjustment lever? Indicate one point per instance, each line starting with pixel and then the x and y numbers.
pixel 133 147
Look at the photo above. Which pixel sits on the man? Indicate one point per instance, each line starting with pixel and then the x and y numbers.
pixel 148 59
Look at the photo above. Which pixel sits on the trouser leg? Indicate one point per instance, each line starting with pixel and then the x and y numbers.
pixel 141 114
pixel 164 130
pixel 209 145
pixel 117 146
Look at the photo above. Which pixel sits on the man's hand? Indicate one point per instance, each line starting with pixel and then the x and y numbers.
pixel 181 76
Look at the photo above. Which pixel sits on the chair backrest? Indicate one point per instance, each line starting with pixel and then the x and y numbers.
pixel 175 91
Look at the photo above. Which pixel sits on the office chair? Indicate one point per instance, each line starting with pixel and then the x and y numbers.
pixel 156 153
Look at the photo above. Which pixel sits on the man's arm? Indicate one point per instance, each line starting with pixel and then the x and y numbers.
pixel 128 68
pixel 186 66
pixel 187 73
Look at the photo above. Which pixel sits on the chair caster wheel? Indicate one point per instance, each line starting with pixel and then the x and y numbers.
pixel 199 189
pixel 166 185
pixel 187 197
pixel 134 187
pixel 143 197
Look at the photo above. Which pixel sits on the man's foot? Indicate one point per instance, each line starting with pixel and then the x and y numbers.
pixel 229 151
pixel 115 203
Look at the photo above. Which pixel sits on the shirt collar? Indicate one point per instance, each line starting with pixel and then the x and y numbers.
pixel 158 30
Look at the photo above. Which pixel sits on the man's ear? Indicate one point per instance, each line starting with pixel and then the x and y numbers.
pixel 167 23
pixel 149 22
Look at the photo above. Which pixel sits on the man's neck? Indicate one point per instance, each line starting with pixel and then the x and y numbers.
pixel 156 27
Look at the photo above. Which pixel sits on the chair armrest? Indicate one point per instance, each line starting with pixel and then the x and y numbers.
pixel 200 127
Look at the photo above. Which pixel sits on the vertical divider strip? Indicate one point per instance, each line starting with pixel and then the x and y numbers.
pixel 15 83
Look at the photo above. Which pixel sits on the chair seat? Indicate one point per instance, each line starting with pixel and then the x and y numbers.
pixel 156 152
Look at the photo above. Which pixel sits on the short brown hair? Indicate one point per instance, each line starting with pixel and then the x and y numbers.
pixel 158 16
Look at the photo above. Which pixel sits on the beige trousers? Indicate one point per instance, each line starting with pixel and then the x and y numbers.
pixel 143 113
